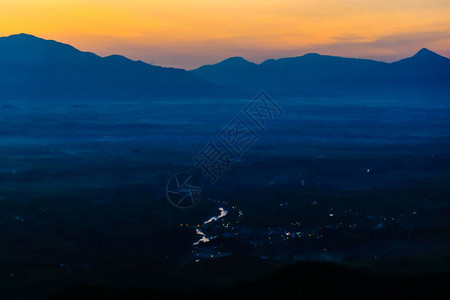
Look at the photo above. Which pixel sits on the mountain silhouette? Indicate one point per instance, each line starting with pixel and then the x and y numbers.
pixel 229 71
pixel 425 68
pixel 425 56
pixel 315 74
pixel 32 67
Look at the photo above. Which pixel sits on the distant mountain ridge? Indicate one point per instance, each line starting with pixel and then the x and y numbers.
pixel 32 67
pixel 315 74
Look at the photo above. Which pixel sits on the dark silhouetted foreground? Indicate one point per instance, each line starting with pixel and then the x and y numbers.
pixel 301 281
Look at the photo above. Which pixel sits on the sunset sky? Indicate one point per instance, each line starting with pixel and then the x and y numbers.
pixel 188 34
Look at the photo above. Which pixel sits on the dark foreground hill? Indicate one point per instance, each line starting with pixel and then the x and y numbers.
pixel 308 280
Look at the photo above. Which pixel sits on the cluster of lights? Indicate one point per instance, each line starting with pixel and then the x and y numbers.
pixel 226 225
pixel 281 234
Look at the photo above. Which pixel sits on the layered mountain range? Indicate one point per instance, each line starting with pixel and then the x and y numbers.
pixel 32 67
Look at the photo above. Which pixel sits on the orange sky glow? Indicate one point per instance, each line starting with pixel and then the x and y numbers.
pixel 191 33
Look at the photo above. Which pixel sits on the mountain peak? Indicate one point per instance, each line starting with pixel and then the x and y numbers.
pixel 424 52
pixel 29 49
pixel 312 54
pixel 22 36
pixel 236 60
pixel 424 57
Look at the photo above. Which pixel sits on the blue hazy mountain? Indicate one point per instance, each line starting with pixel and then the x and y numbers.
pixel 231 71
pixel 314 74
pixel 31 67
pixel 425 68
